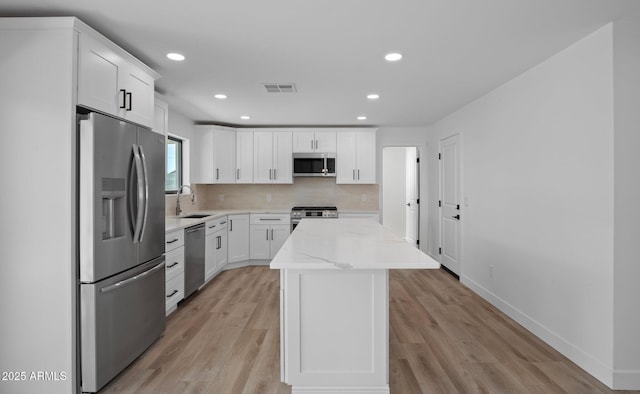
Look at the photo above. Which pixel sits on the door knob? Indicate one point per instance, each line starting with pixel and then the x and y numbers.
pixel 408 204
pixel 457 217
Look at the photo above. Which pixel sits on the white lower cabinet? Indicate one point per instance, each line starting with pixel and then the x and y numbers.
pixel 267 234
pixel 174 269
pixel 238 238
pixel 215 250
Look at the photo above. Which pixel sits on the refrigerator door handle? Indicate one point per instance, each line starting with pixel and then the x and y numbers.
pixel 146 192
pixel 139 194
pixel 122 283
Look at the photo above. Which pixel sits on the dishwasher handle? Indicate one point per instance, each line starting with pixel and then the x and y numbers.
pixel 194 229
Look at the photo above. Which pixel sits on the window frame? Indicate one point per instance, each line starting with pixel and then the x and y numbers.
pixel 179 162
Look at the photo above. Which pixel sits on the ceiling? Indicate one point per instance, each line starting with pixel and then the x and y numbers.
pixel 333 50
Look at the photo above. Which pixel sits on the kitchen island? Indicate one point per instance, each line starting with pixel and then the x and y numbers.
pixel 334 318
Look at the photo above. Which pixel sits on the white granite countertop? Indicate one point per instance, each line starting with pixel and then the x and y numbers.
pixel 178 222
pixel 348 244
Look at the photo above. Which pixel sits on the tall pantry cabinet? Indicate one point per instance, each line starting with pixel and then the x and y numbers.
pixel 39 79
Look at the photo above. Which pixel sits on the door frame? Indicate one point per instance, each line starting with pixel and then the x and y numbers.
pixel 460 199
pixel 423 206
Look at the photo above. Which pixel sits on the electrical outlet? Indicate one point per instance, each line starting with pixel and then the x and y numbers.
pixel 364 197
pixel 269 197
pixel 221 197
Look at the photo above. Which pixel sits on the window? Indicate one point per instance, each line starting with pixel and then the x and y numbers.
pixel 173 177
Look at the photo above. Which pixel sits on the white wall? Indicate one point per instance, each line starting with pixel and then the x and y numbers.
pixel 394 193
pixel 538 178
pixel 38 264
pixel 408 136
pixel 626 46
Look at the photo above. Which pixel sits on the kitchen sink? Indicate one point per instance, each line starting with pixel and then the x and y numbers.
pixel 195 216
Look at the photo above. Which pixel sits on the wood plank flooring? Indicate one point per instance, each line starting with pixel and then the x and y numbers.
pixel 443 339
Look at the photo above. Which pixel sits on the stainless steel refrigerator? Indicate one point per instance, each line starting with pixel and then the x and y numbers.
pixel 121 238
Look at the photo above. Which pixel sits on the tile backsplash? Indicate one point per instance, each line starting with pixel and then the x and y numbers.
pixel 304 191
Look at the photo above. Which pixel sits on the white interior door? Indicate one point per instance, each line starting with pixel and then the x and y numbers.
pixel 412 210
pixel 450 234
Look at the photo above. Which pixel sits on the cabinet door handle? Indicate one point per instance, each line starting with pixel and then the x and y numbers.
pixel 172 241
pixel 221 223
pixel 311 144
pixel 353 175
pixel 212 226
pixel 230 225
pixel 238 173
pixel 358 174
pixel 172 294
pixel 173 264
pixel 267 234
pixel 316 144
pixel 272 234
pixel 275 176
pixel 124 98
pixel 130 96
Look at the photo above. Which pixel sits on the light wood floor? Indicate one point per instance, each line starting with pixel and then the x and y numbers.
pixel 443 339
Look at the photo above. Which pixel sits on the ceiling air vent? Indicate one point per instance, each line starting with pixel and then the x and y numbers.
pixel 280 87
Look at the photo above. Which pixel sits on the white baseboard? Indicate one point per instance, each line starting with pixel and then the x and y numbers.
pixel 339 390
pixel 245 263
pixel 626 379
pixel 584 360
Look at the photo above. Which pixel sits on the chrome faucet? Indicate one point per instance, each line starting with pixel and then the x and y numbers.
pixel 193 198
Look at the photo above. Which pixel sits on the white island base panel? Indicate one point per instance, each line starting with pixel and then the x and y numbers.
pixel 334 330
pixel 334 304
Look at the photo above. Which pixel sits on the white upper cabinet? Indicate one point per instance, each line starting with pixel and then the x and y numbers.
pixel 161 117
pixel 304 141
pixel 262 157
pixel 110 82
pixel 272 159
pixel 314 141
pixel 201 149
pixel 282 157
pixel 244 156
pixel 213 155
pixel 326 141
pixel 356 156
pixel 224 155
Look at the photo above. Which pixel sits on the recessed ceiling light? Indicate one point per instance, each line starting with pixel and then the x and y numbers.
pixel 175 56
pixel 373 96
pixel 362 118
pixel 220 96
pixel 393 57
pixel 245 117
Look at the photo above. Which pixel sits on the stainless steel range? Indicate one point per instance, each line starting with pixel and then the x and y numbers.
pixel 299 213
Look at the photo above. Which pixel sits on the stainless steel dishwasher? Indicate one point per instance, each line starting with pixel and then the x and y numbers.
pixel 194 258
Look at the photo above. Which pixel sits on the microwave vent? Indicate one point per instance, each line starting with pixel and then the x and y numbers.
pixel 280 87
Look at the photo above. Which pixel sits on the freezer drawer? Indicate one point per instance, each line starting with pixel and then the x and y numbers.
pixel 120 317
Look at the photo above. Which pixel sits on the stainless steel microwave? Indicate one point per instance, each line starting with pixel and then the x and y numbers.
pixel 314 164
